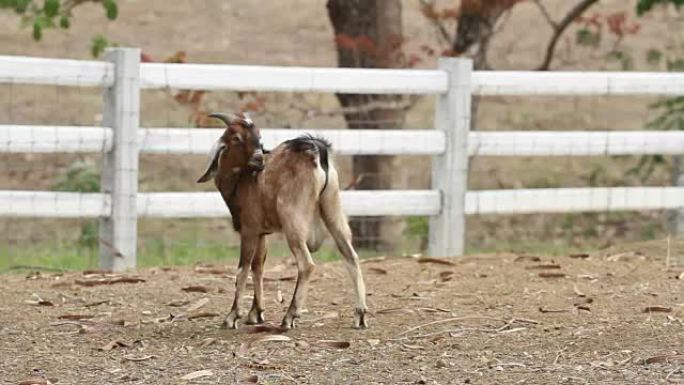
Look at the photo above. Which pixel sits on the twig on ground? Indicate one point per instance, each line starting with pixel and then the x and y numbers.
pixel 446 320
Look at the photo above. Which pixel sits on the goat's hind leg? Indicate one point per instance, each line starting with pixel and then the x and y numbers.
pixel 248 246
pixel 256 315
pixel 337 224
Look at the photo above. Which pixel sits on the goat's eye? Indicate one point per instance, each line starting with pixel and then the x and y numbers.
pixel 236 140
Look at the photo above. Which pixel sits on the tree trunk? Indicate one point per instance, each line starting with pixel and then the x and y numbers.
pixel 368 34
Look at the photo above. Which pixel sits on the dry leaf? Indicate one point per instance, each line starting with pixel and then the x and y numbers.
pixel 335 344
pixel 542 310
pixel 137 358
pixel 377 270
pixel 514 330
pixel 38 301
pixel 530 258
pixel 202 315
pixel 113 345
pixel 666 358
pixel 394 310
pixel 374 259
pixel 196 289
pixel 546 274
pixel 412 347
pixel 178 303
pixel 373 342
pixel 627 256
pixel 578 292
pixel 579 256
pixel 244 347
pixel 197 374
pixel 35 381
pixel 75 317
pixel 264 328
pixel 253 379
pixel 211 269
pixel 271 338
pixel 435 260
pixel 587 276
pixel 544 266
pixel 96 303
pixel 198 304
pixel 657 309
pixel 107 281
pixel 446 275
pixel 97 272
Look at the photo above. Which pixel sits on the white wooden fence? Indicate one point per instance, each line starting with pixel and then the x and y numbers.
pixel 122 76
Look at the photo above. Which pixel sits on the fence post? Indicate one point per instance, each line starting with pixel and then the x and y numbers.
pixel 450 170
pixel 678 179
pixel 121 103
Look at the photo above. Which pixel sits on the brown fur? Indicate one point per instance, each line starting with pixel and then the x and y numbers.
pixel 287 191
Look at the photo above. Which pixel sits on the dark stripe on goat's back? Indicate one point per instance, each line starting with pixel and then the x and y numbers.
pixel 315 144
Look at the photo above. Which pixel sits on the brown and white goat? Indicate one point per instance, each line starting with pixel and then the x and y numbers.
pixel 293 190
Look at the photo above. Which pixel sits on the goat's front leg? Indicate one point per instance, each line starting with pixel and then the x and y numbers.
pixel 248 245
pixel 305 267
pixel 256 315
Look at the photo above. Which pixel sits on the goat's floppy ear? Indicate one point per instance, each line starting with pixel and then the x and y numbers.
pixel 212 165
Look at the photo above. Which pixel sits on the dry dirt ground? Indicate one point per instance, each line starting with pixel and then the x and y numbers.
pixel 609 318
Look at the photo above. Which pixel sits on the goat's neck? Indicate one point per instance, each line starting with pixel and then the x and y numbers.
pixel 239 189
pixel 228 185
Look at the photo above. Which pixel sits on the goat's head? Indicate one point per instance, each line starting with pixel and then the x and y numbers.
pixel 237 150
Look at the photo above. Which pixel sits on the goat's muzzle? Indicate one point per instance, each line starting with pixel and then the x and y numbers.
pixel 256 161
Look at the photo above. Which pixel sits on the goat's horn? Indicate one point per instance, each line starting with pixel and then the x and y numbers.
pixel 228 119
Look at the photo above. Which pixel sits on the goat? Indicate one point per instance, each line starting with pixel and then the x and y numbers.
pixel 294 189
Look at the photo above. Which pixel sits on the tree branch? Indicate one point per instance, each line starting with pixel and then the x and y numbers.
pixel 559 28
pixel 437 23
pixel 545 13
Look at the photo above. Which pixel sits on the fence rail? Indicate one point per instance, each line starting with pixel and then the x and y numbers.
pixel 46 139
pixel 451 144
pixel 15 203
pixel 59 72
pixel 356 203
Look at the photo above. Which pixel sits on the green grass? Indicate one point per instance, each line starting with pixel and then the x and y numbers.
pixel 151 252
pixel 529 247
pixel 157 252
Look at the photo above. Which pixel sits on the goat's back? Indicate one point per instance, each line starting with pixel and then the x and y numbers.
pixel 295 175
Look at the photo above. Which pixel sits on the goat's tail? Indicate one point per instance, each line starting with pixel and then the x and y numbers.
pixel 314 145
pixel 324 148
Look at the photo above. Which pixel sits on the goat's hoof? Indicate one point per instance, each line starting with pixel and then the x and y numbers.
pixel 289 322
pixel 255 317
pixel 360 321
pixel 231 322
